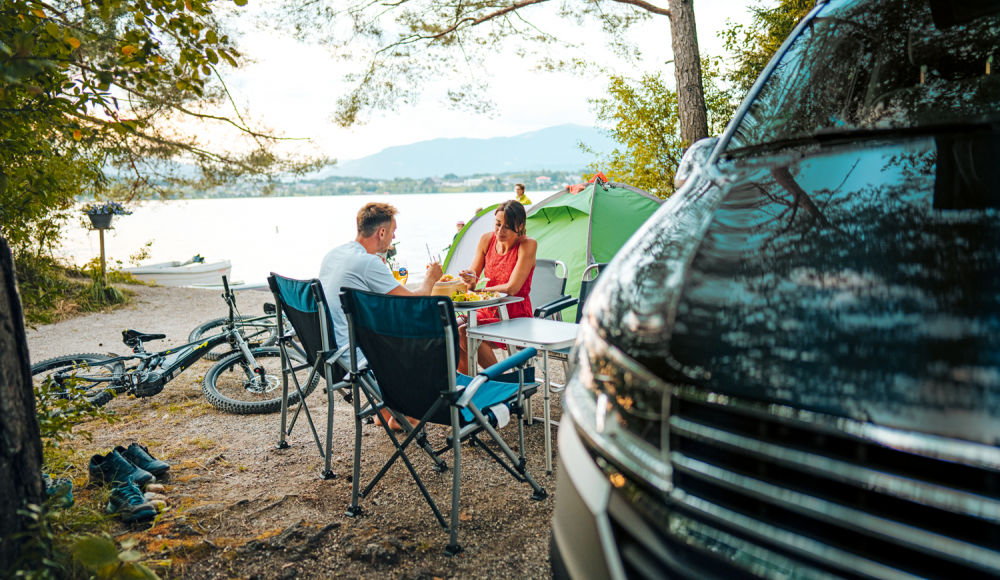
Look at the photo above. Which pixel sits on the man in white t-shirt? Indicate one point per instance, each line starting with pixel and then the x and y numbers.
pixel 355 265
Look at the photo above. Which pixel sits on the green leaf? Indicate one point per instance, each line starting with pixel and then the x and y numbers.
pixel 228 58
pixel 212 57
pixel 240 2
pixel 211 37
pixel 95 552
pixel 52 29
pixel 6 49
pixel 130 556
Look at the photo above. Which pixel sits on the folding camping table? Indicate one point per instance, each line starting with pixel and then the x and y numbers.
pixel 539 333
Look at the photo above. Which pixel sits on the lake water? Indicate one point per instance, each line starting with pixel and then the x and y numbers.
pixel 287 235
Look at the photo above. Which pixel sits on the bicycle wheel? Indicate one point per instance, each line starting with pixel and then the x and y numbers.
pixel 259 332
pixel 229 385
pixel 89 364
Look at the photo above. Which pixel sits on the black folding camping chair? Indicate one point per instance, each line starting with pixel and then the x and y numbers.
pixel 303 302
pixel 411 344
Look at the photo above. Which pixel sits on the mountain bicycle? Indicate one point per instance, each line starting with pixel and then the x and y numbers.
pixel 246 381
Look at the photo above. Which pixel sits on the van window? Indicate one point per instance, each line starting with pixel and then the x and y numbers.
pixel 881 65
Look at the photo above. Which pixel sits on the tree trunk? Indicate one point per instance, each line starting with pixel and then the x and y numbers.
pixel 687 70
pixel 20 440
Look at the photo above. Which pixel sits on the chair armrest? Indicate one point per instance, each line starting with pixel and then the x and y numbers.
pixel 508 363
pixel 557 305
pixel 519 359
pixel 470 391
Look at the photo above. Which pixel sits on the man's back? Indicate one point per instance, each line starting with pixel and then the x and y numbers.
pixel 351 266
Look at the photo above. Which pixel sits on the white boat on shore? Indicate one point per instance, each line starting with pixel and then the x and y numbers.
pixel 191 273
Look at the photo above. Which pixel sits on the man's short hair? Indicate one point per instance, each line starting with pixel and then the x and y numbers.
pixel 373 216
pixel 519 186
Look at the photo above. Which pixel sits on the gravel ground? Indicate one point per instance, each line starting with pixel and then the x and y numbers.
pixel 240 508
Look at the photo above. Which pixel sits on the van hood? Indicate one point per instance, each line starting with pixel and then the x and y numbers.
pixel 858 280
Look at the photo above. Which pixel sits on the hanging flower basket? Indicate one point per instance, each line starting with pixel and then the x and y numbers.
pixel 101 214
pixel 101 221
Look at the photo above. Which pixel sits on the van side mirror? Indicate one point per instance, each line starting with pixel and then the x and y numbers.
pixel 693 160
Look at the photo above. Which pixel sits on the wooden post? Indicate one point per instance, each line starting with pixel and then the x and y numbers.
pixel 104 274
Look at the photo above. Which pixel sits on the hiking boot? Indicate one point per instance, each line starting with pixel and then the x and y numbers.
pixel 113 468
pixel 128 502
pixel 60 489
pixel 138 455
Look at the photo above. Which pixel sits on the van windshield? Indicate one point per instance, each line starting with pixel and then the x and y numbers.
pixel 872 65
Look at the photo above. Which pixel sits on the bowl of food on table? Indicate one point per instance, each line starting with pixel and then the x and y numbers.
pixel 448 285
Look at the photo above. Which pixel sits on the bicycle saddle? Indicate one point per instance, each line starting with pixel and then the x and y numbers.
pixel 134 337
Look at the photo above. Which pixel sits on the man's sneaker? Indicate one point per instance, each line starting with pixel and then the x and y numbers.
pixel 61 488
pixel 139 456
pixel 128 502
pixel 113 468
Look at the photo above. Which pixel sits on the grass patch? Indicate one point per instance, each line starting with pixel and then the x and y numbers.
pixel 201 443
pixel 51 292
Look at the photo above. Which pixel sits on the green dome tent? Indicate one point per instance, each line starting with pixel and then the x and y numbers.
pixel 579 229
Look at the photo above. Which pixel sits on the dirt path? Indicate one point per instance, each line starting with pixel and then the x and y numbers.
pixel 242 509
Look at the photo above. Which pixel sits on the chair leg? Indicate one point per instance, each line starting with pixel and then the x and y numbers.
pixel 282 443
pixel 439 465
pixel 540 493
pixel 453 548
pixel 328 472
pixel 354 509
pixel 474 440
pixel 521 403
pixel 302 405
pixel 401 454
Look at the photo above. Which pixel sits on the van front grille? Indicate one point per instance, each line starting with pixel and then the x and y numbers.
pixel 829 498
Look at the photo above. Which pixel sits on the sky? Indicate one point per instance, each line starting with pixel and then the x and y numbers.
pixel 293 87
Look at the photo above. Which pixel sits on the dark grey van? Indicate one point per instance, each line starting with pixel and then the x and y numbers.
pixel 793 369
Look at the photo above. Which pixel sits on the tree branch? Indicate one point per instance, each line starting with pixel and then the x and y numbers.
pixel 646 6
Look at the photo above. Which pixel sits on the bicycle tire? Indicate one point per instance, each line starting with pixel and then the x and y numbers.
pixel 98 395
pixel 217 389
pixel 208 329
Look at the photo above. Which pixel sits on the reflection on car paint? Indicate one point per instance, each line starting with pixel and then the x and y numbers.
pixel 859 298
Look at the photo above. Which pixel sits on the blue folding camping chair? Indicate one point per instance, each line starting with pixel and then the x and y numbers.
pixel 303 302
pixel 410 343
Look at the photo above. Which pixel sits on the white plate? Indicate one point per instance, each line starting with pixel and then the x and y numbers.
pixel 479 303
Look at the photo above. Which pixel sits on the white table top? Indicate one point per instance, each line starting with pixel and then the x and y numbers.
pixel 536 332
pixel 503 301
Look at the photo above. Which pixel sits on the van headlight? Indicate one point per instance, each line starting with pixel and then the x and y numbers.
pixel 621 409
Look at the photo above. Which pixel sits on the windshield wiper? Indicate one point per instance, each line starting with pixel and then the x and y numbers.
pixel 828 136
pixel 769 146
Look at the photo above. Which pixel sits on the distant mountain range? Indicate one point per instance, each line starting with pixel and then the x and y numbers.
pixel 554 148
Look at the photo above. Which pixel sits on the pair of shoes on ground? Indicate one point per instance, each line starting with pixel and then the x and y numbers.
pixel 59 489
pixel 127 471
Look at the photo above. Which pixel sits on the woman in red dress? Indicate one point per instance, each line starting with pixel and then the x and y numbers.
pixel 507 258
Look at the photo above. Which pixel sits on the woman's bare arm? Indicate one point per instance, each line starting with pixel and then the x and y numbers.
pixel 525 262
pixel 479 262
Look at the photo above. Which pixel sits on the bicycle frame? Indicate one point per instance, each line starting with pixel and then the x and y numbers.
pixel 156 369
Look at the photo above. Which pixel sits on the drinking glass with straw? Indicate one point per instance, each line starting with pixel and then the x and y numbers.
pixel 431 258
